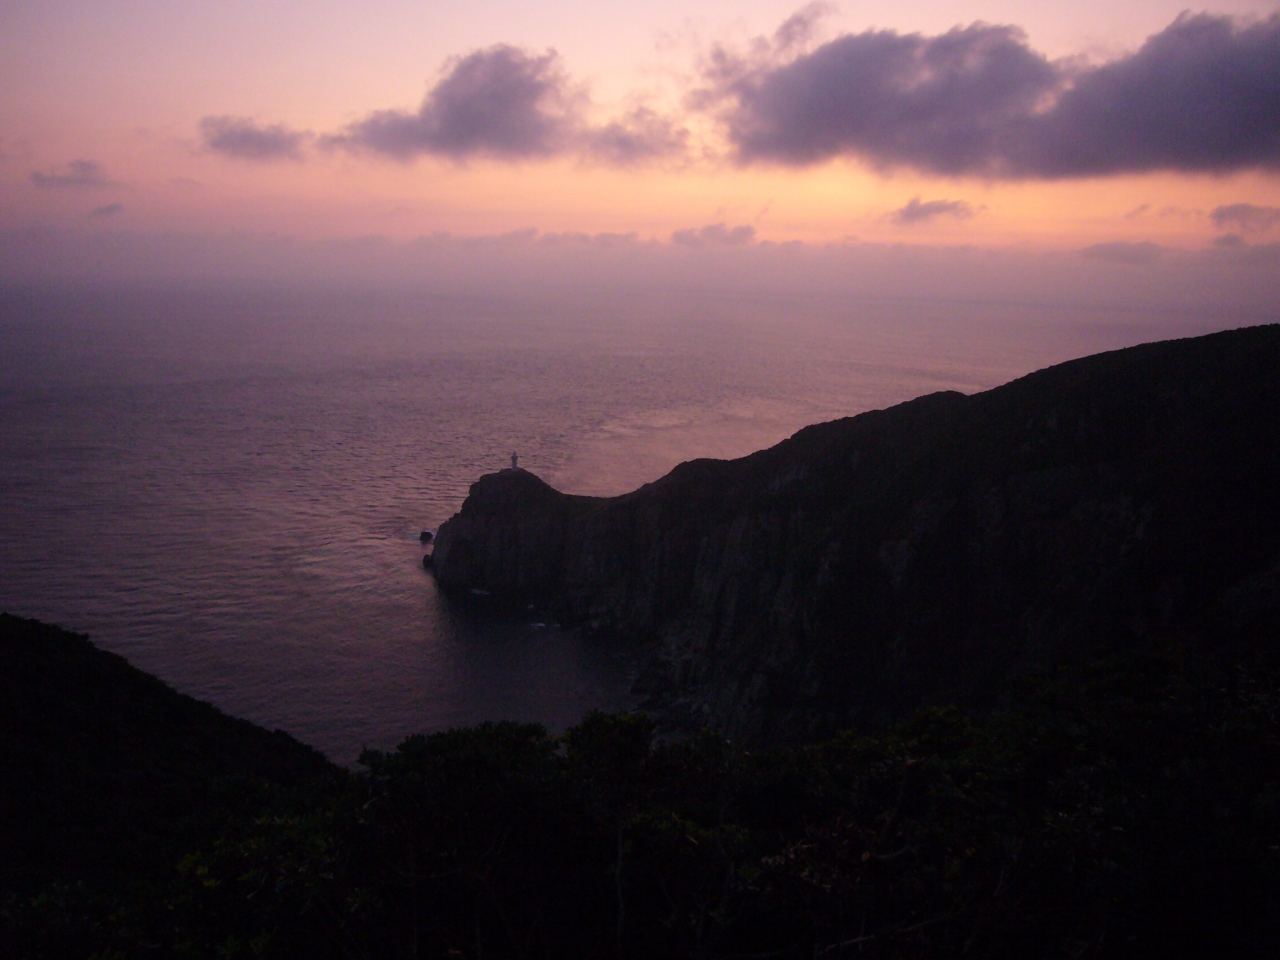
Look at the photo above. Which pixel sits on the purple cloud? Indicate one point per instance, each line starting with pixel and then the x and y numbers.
pixel 799 28
pixel 244 139
pixel 509 104
pixel 917 212
pixel 639 137
pixel 939 103
pixel 107 210
pixel 1245 216
pixel 715 235
pixel 1202 95
pixel 76 175
pixel 500 102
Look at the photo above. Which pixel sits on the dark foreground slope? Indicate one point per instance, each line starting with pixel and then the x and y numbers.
pixel 110 778
pixel 1124 807
pixel 924 553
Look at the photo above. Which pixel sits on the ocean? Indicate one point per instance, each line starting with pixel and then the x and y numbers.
pixel 227 487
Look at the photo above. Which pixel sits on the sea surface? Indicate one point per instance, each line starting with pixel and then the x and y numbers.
pixel 227 488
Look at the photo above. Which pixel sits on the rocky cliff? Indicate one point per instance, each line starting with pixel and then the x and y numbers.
pixel 921 553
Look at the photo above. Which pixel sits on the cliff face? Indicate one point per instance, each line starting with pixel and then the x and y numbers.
pixel 509 538
pixel 919 553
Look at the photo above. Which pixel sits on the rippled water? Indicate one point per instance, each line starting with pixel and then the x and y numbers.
pixel 228 490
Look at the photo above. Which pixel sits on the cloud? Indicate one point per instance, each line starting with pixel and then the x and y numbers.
pixel 509 104
pixel 937 103
pixel 1246 216
pixel 500 102
pixel 917 212
pixel 602 240
pixel 715 235
pixel 76 175
pixel 244 139
pixel 639 137
pixel 107 210
pixel 1229 241
pixel 1202 95
pixel 799 29
pixel 1263 255
pixel 1132 254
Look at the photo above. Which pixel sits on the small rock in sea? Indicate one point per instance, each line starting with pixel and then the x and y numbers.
pixel 428 561
pixel 426 536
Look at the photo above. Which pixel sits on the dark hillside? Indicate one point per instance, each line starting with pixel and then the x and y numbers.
pixel 919 554
pixel 1125 806
pixel 111 777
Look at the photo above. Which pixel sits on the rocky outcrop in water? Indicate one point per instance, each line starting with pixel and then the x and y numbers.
pixel 922 553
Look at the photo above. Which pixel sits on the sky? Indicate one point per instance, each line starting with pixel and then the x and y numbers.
pixel 140 135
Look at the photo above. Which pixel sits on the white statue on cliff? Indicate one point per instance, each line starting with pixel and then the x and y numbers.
pixel 514 461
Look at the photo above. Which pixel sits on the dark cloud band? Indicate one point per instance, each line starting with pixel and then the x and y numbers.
pixel 715 235
pixel 1130 254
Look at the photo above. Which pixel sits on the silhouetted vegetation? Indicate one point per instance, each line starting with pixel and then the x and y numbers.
pixel 110 779
pixel 1120 807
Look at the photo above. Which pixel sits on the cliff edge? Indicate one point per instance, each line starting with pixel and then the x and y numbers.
pixel 922 553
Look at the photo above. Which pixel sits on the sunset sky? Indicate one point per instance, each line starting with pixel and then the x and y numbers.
pixel 1134 130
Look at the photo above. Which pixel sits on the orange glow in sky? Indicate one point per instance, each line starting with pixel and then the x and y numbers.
pixel 109 121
